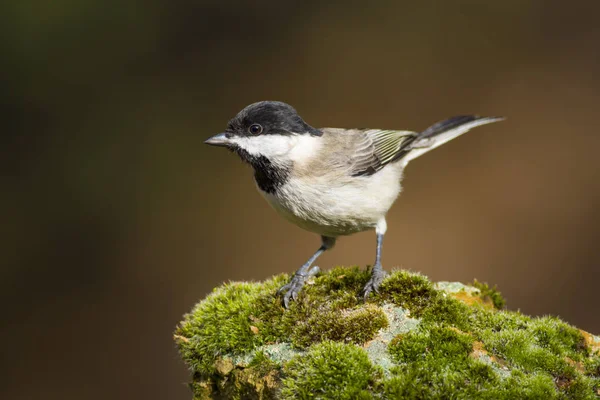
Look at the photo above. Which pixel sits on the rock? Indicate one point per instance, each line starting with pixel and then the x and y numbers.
pixel 414 339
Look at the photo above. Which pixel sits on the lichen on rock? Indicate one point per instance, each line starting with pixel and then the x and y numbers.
pixel 413 339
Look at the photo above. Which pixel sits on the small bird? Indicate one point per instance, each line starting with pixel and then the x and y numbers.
pixel 330 181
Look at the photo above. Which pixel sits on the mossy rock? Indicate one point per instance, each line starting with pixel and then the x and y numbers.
pixel 413 340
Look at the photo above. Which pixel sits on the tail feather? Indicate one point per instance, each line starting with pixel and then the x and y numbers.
pixel 446 125
pixel 440 133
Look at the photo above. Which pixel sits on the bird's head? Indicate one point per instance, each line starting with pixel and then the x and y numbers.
pixel 267 129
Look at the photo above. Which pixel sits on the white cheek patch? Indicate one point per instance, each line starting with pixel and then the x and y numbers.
pixel 292 147
pixel 266 145
pixel 306 147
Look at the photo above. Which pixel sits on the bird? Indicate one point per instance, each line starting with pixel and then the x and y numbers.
pixel 330 181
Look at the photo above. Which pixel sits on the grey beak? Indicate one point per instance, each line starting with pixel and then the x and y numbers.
pixel 218 140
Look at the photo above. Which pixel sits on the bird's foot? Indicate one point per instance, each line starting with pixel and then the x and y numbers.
pixel 377 276
pixel 291 290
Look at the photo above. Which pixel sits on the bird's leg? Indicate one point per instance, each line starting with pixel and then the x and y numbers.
pixel 292 289
pixel 377 273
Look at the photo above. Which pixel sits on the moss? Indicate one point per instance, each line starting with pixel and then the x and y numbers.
pixel 238 317
pixel 524 386
pixel 419 340
pixel 262 364
pixel 330 370
pixel 543 346
pixel 259 380
pixel 221 324
pixel 426 380
pixel 481 320
pixel 330 309
pixel 592 342
pixel 592 366
pixel 408 290
pixel 544 343
pixel 347 325
pixel 437 342
pixel 439 359
pixel 448 311
pixel 487 293
pixel 202 389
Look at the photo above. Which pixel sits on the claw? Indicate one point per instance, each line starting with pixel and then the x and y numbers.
pixel 293 288
pixel 283 288
pixel 377 277
pixel 286 301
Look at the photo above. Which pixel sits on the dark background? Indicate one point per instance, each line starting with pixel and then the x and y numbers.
pixel 117 219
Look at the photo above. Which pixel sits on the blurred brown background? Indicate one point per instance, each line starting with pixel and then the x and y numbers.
pixel 117 218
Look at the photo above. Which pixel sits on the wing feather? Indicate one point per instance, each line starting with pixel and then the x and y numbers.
pixel 375 148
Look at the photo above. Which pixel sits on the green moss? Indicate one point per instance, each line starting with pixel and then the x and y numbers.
pixel 238 343
pixel 356 325
pixel 439 359
pixel 262 364
pixel 330 309
pixel 544 343
pixel 519 348
pixel 238 317
pixel 221 324
pixel 345 282
pixel 408 290
pixel 520 385
pixel 448 311
pixel 330 370
pixel 480 320
pixel 592 366
pixel 542 346
pixel 490 294
pixel 437 342
pixel 427 380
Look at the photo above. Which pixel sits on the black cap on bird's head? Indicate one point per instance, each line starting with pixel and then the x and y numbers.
pixel 264 118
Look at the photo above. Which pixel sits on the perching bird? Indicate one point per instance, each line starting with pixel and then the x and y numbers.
pixel 330 181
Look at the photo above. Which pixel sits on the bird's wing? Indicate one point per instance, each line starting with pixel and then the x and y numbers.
pixel 375 148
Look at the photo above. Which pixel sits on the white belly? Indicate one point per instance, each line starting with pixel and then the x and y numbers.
pixel 342 207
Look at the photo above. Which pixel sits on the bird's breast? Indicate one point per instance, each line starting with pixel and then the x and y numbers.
pixel 335 206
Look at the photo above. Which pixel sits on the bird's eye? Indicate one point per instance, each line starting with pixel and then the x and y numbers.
pixel 255 129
